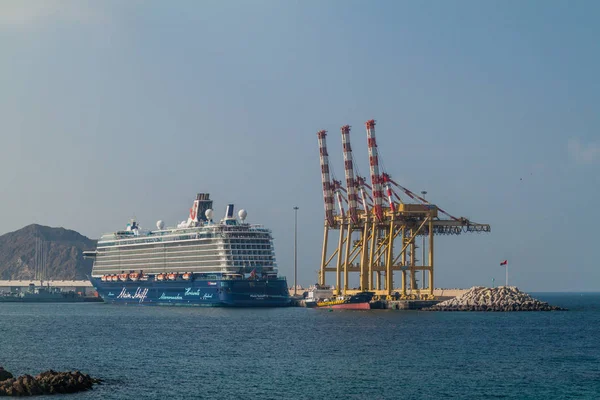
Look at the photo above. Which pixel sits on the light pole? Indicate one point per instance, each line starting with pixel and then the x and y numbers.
pixel 295 248
pixel 423 193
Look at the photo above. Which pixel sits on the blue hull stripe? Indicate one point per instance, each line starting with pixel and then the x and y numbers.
pixel 219 293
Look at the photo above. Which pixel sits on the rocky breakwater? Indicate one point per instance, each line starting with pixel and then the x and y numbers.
pixel 503 298
pixel 49 382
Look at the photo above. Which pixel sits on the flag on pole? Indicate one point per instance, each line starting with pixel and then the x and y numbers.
pixel 504 262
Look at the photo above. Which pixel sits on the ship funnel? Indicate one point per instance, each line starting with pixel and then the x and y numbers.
pixel 204 204
pixel 229 212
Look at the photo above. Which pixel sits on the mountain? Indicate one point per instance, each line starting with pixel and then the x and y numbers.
pixel 21 254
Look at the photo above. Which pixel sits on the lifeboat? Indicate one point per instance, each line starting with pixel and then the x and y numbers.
pixel 123 277
pixel 103 278
pixel 160 277
pixel 187 276
pixel 134 276
pixel 143 277
pixel 172 276
pixel 114 278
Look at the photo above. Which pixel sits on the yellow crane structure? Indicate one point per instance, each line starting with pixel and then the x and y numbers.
pixel 376 238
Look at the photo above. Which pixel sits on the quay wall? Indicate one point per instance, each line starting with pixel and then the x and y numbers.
pixel 83 287
pixel 438 293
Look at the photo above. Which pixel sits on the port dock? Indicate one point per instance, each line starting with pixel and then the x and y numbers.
pixel 386 304
pixel 401 304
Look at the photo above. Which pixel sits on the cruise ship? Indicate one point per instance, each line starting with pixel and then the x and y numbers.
pixel 200 262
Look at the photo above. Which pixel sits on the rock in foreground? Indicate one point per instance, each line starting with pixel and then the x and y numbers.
pixel 49 382
pixel 503 298
pixel 4 374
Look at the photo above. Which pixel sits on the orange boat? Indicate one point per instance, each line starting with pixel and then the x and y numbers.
pixel 123 277
pixel 172 276
pixel 103 278
pixel 187 276
pixel 114 278
pixel 160 277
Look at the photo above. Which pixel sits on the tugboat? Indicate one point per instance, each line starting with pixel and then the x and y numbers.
pixel 359 301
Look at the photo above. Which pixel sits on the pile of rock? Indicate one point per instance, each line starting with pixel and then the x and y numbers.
pixel 503 298
pixel 49 382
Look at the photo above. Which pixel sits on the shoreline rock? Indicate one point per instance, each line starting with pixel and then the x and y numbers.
pixel 502 298
pixel 48 382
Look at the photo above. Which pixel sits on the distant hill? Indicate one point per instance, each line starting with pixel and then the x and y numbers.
pixel 62 248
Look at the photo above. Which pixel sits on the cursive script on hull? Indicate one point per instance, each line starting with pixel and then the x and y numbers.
pixel 190 292
pixel 164 296
pixel 140 294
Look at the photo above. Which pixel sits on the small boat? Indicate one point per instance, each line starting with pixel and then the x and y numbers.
pixel 114 278
pixel 172 276
pixel 144 277
pixel 103 278
pixel 187 276
pixel 160 277
pixel 359 301
pixel 123 277
pixel 134 276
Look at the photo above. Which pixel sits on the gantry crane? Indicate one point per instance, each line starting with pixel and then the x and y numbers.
pixel 376 239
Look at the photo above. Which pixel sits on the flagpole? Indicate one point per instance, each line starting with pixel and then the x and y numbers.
pixel 506 274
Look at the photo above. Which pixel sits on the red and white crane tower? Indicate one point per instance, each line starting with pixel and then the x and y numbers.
pixel 325 178
pixel 387 233
pixel 349 172
pixel 374 169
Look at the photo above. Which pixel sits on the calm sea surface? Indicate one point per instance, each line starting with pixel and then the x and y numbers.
pixel 297 353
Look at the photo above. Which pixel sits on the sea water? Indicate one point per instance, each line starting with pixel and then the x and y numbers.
pixel 298 353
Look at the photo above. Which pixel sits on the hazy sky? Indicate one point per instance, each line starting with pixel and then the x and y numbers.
pixel 110 109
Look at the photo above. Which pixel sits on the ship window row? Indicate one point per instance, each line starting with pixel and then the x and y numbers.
pixel 168 244
pixel 178 264
pixel 254 252
pixel 154 241
pixel 250 246
pixel 213 246
pixel 200 252
pixel 245 238
pixel 180 269
pixel 178 257
pixel 158 269
pixel 160 259
pixel 233 244
pixel 247 257
pixel 164 258
pixel 251 239
pixel 159 262
pixel 147 244
pixel 251 264
pixel 187 249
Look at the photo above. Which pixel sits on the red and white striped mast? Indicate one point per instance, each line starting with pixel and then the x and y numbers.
pixel 374 167
pixel 327 189
pixel 360 183
pixel 385 179
pixel 349 170
pixel 337 188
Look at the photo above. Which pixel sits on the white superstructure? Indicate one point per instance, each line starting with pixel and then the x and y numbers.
pixel 197 246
